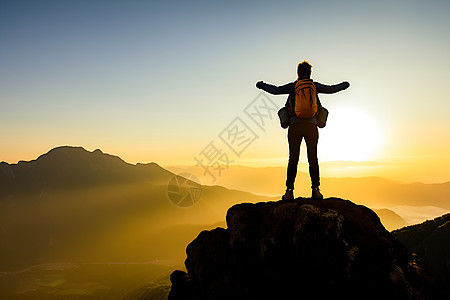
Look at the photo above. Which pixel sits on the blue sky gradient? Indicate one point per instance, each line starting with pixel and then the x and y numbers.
pixel 139 78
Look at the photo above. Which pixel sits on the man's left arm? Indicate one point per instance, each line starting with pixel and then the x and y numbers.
pixel 331 89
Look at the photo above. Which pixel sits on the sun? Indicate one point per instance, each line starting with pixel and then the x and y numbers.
pixel 351 134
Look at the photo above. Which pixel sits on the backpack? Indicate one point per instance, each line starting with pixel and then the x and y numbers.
pixel 289 110
pixel 305 99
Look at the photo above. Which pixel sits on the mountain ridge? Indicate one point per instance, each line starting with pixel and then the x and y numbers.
pixel 75 203
pixel 431 241
pixel 68 167
pixel 72 167
pixel 383 192
pixel 126 216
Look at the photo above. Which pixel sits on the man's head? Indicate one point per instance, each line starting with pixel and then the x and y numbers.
pixel 304 69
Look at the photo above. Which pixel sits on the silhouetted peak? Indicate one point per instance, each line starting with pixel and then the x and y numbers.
pixel 64 151
pixel 67 148
pixel 71 167
pixel 75 154
pixel 299 249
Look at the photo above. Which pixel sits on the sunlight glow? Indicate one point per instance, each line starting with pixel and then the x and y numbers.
pixel 350 134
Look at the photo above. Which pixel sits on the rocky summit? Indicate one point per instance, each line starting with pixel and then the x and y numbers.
pixel 299 249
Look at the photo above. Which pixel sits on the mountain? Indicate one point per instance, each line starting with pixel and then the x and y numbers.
pixel 388 194
pixel 431 241
pixel 74 205
pixel 71 204
pixel 65 168
pixel 73 217
pixel 390 219
pixel 300 249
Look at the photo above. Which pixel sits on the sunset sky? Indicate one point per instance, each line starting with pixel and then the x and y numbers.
pixel 166 81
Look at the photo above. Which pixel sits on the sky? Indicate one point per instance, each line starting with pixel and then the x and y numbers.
pixel 170 82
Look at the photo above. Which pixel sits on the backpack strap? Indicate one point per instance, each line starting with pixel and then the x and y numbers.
pixel 290 102
pixel 317 97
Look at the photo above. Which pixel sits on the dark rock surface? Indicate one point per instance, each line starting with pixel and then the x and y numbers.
pixel 299 249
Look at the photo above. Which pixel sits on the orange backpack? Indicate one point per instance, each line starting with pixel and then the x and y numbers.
pixel 305 99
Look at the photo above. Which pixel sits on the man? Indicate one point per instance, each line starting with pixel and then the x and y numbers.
pixel 300 128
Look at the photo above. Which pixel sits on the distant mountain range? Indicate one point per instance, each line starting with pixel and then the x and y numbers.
pixel 73 204
pixel 417 202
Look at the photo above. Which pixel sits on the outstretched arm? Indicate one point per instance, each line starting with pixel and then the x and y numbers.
pixel 275 90
pixel 331 89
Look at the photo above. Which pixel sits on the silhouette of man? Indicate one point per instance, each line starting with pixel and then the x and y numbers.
pixel 300 128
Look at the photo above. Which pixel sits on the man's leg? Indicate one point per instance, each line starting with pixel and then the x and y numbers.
pixel 311 138
pixel 294 139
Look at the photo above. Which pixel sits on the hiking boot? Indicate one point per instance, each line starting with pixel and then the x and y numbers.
pixel 316 194
pixel 289 195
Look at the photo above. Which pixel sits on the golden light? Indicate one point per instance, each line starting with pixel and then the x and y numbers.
pixel 351 134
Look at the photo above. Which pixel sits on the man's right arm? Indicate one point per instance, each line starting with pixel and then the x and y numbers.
pixel 275 90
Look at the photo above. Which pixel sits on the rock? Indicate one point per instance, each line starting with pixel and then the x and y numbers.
pixel 181 285
pixel 299 249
